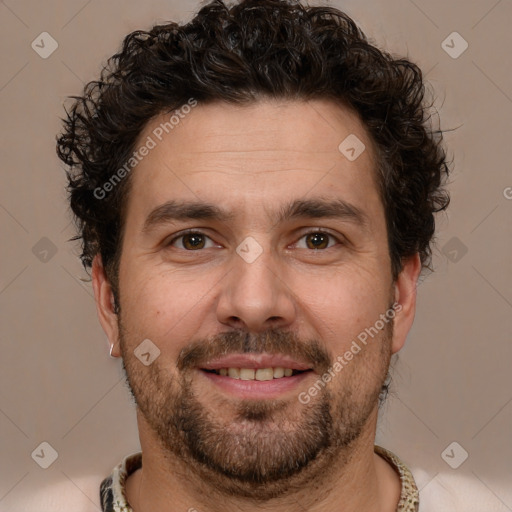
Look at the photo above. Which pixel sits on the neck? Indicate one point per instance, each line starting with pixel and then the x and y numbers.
pixel 352 480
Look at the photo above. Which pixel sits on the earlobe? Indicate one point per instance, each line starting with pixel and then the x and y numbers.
pixel 105 305
pixel 405 300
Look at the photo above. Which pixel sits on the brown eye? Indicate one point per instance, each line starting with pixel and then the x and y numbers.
pixel 191 241
pixel 317 240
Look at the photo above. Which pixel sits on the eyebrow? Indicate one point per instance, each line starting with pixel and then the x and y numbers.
pixel 175 210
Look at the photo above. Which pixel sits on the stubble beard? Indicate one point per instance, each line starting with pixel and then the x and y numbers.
pixel 266 449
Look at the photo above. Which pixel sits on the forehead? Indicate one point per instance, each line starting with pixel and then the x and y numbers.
pixel 264 152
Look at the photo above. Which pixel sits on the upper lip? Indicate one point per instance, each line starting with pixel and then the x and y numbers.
pixel 255 361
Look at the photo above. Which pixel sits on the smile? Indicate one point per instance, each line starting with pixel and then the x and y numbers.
pixel 256 376
pixel 260 374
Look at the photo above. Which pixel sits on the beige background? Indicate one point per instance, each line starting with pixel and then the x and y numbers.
pixel 57 381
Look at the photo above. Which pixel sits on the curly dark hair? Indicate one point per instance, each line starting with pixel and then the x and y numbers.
pixel 240 54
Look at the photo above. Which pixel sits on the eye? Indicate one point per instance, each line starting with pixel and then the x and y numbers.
pixel 317 240
pixel 191 241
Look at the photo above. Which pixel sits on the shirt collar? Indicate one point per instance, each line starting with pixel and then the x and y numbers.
pixel 113 496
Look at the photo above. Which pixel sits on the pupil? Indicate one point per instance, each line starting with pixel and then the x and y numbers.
pixel 318 239
pixel 193 241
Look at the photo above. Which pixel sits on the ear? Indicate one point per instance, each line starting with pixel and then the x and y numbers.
pixel 105 305
pixel 405 300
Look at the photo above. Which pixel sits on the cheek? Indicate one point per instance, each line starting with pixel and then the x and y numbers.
pixel 164 307
pixel 342 305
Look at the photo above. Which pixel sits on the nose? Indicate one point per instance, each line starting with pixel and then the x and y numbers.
pixel 255 295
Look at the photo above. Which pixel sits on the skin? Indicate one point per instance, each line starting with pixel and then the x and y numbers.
pixel 253 160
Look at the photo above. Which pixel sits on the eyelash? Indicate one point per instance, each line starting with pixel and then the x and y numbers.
pixel 196 232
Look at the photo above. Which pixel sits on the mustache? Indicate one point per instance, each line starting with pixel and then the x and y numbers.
pixel 272 341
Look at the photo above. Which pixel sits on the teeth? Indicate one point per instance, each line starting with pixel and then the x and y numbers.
pixel 278 372
pixel 264 374
pixel 253 374
pixel 234 373
pixel 247 373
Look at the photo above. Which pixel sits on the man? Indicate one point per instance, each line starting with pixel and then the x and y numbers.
pixel 255 192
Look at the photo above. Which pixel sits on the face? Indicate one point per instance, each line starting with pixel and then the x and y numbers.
pixel 254 258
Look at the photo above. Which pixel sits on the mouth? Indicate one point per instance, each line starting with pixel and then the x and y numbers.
pixel 259 374
pixel 256 376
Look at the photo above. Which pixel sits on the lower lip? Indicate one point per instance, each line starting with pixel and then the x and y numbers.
pixel 257 389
